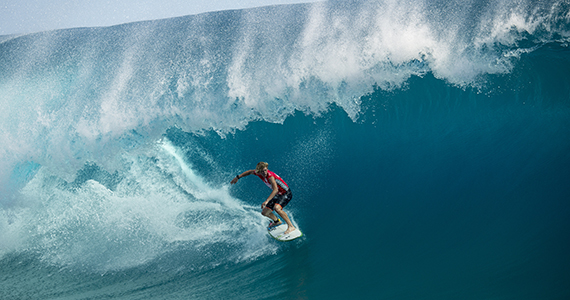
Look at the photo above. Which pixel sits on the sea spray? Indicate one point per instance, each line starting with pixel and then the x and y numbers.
pixel 78 95
pixel 160 205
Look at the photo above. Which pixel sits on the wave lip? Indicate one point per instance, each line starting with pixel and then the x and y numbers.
pixel 89 95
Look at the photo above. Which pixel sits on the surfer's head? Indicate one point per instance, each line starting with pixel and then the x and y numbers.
pixel 261 168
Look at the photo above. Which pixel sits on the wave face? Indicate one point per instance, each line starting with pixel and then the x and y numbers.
pixel 426 143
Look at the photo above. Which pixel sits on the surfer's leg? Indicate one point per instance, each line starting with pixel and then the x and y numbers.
pixel 268 213
pixel 284 216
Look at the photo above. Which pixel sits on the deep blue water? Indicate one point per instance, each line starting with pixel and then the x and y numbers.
pixel 427 145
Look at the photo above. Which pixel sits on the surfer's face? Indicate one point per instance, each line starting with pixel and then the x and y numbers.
pixel 263 172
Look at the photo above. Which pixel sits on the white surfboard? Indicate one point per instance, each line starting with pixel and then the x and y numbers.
pixel 277 233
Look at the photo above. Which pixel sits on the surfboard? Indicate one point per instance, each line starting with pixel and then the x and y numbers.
pixel 277 233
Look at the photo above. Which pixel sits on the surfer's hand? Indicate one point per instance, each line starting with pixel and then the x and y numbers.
pixel 234 180
pixel 263 205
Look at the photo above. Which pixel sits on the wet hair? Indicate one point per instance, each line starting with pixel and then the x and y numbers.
pixel 260 166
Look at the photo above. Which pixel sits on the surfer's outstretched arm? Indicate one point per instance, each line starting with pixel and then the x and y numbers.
pixel 246 173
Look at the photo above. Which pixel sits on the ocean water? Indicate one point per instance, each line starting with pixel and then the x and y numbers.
pixel 427 144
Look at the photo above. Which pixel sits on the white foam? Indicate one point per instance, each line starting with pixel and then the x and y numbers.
pixel 160 205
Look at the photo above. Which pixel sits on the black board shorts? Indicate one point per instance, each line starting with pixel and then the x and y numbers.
pixel 282 200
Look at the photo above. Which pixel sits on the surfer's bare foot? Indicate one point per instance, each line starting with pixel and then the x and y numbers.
pixel 289 230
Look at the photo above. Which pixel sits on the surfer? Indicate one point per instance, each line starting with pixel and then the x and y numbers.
pixel 279 197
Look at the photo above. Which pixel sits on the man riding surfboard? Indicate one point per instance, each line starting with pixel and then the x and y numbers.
pixel 279 197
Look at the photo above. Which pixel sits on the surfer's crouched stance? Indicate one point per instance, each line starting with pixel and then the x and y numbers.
pixel 279 197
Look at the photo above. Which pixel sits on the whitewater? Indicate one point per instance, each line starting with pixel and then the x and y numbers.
pixel 427 144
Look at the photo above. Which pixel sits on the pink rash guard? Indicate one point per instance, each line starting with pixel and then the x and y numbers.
pixel 281 185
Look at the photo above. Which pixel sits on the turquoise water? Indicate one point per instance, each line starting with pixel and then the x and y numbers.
pixel 426 143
